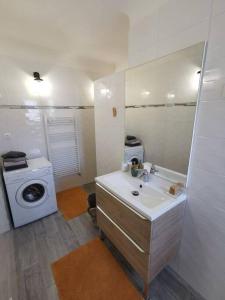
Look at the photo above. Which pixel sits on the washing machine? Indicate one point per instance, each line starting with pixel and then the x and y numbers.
pixel 133 152
pixel 31 191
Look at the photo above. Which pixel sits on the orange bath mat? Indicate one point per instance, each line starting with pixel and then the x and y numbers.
pixel 92 273
pixel 72 202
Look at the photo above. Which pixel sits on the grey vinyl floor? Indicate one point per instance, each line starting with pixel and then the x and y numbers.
pixel 26 255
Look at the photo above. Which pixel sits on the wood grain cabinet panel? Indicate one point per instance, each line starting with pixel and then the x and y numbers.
pixel 134 254
pixel 147 245
pixel 134 224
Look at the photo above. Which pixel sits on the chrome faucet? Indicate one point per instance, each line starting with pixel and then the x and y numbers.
pixel 146 175
pixel 153 169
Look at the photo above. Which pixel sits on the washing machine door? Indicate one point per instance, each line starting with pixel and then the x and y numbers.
pixel 32 193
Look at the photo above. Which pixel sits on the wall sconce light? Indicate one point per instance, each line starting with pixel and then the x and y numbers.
pixel 195 80
pixel 37 76
pixel 37 86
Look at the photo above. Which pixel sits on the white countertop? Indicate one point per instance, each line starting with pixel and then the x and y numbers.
pixel 153 199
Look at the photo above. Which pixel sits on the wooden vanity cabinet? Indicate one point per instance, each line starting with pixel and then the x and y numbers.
pixel 134 224
pixel 147 245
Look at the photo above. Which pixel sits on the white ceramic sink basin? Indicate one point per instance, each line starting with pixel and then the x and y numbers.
pixel 152 199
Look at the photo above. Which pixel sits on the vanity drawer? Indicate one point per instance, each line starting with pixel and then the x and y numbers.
pixel 134 224
pixel 136 256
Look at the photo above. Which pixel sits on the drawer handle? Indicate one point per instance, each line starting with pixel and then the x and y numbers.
pixel 130 208
pixel 124 233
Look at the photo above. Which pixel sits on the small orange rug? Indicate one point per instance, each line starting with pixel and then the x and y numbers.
pixel 92 273
pixel 72 202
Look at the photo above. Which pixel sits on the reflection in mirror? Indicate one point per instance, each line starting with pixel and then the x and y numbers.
pixel 161 99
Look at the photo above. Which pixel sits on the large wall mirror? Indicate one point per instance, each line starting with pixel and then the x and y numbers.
pixel 161 99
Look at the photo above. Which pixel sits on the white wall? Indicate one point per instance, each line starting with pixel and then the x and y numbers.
pixel 174 74
pixel 203 264
pixel 109 130
pixel 64 85
pixel 178 24
pixel 166 132
pixel 23 129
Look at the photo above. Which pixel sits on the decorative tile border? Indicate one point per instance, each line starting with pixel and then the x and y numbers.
pixel 8 106
pixel 45 107
pixel 162 105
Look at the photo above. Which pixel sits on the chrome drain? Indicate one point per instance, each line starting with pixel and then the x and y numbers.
pixel 135 193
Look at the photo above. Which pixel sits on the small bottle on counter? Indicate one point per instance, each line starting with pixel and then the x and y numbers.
pixel 134 169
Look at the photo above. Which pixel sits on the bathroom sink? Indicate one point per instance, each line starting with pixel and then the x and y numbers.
pixel 151 199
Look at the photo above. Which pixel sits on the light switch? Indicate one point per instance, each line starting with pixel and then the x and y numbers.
pixel 114 110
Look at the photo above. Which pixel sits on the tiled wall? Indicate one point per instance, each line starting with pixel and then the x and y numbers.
pixel 62 85
pixel 23 129
pixel 166 133
pixel 109 130
pixel 205 218
pixel 178 24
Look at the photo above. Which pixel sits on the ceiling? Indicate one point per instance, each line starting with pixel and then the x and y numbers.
pixel 86 34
